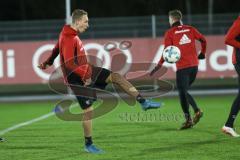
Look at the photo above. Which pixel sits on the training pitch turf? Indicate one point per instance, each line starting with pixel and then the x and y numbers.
pixel 126 133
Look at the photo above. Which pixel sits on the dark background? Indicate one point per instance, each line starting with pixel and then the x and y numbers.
pixel 55 9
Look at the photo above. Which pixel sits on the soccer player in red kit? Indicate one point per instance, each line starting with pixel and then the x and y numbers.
pixel 78 72
pixel 233 39
pixel 184 36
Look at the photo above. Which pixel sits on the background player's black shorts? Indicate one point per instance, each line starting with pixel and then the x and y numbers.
pixel 185 77
pixel 84 95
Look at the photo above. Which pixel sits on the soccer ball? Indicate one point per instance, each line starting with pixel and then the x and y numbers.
pixel 171 54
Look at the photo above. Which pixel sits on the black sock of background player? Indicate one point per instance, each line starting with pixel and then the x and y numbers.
pixel 88 141
pixel 140 99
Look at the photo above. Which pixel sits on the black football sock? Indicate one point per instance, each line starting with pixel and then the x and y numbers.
pixel 234 111
pixel 1 139
pixel 88 141
pixel 140 99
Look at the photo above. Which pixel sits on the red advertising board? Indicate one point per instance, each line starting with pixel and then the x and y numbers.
pixel 19 60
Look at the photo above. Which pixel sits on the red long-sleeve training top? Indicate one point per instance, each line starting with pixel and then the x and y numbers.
pixel 72 54
pixel 184 36
pixel 232 38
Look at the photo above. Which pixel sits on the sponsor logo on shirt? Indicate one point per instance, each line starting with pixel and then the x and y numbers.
pixel 184 40
pixel 182 31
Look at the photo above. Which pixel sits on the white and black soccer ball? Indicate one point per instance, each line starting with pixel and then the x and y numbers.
pixel 171 54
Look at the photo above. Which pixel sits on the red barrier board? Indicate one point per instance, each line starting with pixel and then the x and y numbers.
pixel 19 60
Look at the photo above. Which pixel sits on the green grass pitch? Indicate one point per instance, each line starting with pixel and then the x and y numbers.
pixel 124 133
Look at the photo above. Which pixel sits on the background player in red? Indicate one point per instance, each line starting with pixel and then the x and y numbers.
pixel 184 36
pixel 78 72
pixel 233 39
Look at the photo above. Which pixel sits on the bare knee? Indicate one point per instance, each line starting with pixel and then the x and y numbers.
pixel 87 114
pixel 88 109
pixel 116 77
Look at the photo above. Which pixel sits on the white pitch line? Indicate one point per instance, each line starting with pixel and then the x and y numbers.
pixel 45 116
pixel 2 132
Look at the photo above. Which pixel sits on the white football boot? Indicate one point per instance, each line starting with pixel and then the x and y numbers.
pixel 230 131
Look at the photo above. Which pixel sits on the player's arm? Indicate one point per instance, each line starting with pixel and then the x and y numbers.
pixel 83 62
pixel 167 42
pixel 232 34
pixel 51 58
pixel 76 62
pixel 198 36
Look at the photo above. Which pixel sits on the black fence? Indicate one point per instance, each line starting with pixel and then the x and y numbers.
pixel 119 27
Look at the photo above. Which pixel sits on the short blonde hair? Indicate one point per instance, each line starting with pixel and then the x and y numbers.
pixel 77 14
pixel 175 14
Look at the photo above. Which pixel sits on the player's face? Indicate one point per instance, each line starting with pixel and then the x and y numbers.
pixel 82 24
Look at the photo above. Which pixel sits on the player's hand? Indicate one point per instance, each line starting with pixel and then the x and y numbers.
pixel 155 70
pixel 201 56
pixel 88 82
pixel 43 65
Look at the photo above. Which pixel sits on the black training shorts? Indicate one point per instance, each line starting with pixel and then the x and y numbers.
pixel 85 95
